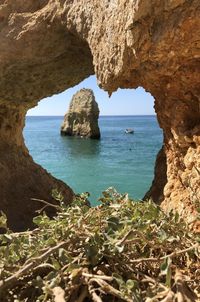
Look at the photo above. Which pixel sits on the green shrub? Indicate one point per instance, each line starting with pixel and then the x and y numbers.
pixel 118 251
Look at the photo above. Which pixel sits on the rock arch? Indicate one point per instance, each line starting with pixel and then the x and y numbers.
pixel 47 46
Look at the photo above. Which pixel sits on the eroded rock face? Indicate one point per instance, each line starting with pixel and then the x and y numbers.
pixel 47 46
pixel 22 180
pixel 82 116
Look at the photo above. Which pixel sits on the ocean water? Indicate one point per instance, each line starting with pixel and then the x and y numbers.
pixel 123 161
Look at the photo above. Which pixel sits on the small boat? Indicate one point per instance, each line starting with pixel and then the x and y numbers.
pixel 129 131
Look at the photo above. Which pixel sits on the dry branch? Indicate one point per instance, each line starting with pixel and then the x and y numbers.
pixel 9 282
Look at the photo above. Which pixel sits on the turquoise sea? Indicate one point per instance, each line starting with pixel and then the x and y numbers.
pixel 124 161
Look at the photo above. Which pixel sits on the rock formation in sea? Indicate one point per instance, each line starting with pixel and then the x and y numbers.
pixel 82 116
pixel 47 46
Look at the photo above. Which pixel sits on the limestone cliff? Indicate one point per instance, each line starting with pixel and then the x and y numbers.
pixel 47 46
pixel 82 116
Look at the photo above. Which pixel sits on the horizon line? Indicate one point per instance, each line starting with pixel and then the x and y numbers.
pixel 99 115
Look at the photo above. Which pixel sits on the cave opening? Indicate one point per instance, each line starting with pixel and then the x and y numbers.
pixel 118 160
pixel 47 49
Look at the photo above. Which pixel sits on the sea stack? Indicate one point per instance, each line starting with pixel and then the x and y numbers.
pixel 82 116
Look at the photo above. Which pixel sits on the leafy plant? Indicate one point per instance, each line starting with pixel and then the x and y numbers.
pixel 120 250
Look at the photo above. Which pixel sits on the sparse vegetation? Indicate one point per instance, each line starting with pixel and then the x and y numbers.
pixel 118 251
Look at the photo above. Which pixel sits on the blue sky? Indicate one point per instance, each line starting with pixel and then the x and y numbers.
pixel 122 102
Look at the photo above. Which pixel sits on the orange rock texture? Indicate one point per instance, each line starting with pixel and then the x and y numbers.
pixel 47 46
